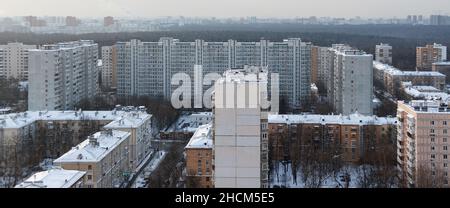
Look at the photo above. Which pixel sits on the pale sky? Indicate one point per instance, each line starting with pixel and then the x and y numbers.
pixel 223 8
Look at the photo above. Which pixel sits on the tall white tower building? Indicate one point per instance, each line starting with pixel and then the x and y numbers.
pixel 240 130
pixel 352 81
pixel 61 75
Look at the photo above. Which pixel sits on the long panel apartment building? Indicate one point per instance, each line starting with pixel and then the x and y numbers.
pixel 63 74
pixel 14 60
pixel 146 68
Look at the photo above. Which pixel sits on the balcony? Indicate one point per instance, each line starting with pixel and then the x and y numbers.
pixel 399 160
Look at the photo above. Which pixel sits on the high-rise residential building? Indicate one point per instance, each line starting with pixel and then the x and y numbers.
pixel 329 62
pixel 443 68
pixel 426 56
pixel 72 21
pixel 108 68
pixel 352 79
pixel 383 53
pixel 199 158
pixel 14 60
pixel 439 20
pixel 103 156
pixel 146 68
pixel 55 178
pixel 355 135
pixel 319 70
pixel 240 130
pixel 108 21
pixel 62 75
pixel 422 143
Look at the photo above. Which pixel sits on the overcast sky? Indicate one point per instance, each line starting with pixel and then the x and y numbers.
pixel 224 8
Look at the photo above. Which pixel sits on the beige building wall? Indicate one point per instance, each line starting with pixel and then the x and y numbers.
pixel 422 144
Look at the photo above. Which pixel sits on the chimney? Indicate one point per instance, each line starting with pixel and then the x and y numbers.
pixel 93 141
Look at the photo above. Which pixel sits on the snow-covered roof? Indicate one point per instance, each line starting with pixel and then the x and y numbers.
pixel 129 120
pixel 429 106
pixel 394 71
pixel 242 75
pixel 53 178
pixel 446 63
pixel 424 92
pixel 19 120
pixel 190 122
pixel 202 137
pixel 95 148
pixel 353 119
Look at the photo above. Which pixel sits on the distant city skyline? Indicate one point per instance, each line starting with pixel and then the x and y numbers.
pixel 222 8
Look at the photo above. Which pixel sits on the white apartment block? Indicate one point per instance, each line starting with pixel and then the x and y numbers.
pixel 63 74
pixel 423 143
pixel 14 60
pixel 383 53
pixel 146 68
pixel 108 68
pixel 352 81
pixel 240 133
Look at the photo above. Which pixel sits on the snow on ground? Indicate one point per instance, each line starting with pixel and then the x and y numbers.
pixel 286 180
pixel 152 165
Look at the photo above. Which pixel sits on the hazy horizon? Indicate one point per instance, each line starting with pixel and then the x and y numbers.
pixel 222 8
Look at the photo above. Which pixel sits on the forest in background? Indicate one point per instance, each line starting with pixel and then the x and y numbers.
pixel 403 38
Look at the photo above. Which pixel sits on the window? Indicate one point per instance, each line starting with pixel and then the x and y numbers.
pixel 445 165
pixel 444 123
pixel 89 167
pixel 444 131
pixel 444 140
pixel 432 139
pixel 445 157
pixel 89 177
pixel 207 178
pixel 432 131
pixel 432 122
pixel 433 156
pixel 432 148
pixel 445 148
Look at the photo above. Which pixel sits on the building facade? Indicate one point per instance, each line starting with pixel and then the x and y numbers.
pixel 14 60
pixel 443 68
pixel 108 68
pixel 391 78
pixel 146 68
pixel 426 56
pixel 199 158
pixel 356 135
pixel 62 75
pixel 352 79
pixel 240 133
pixel 104 156
pixel 422 143
pixel 37 135
pixel 383 53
